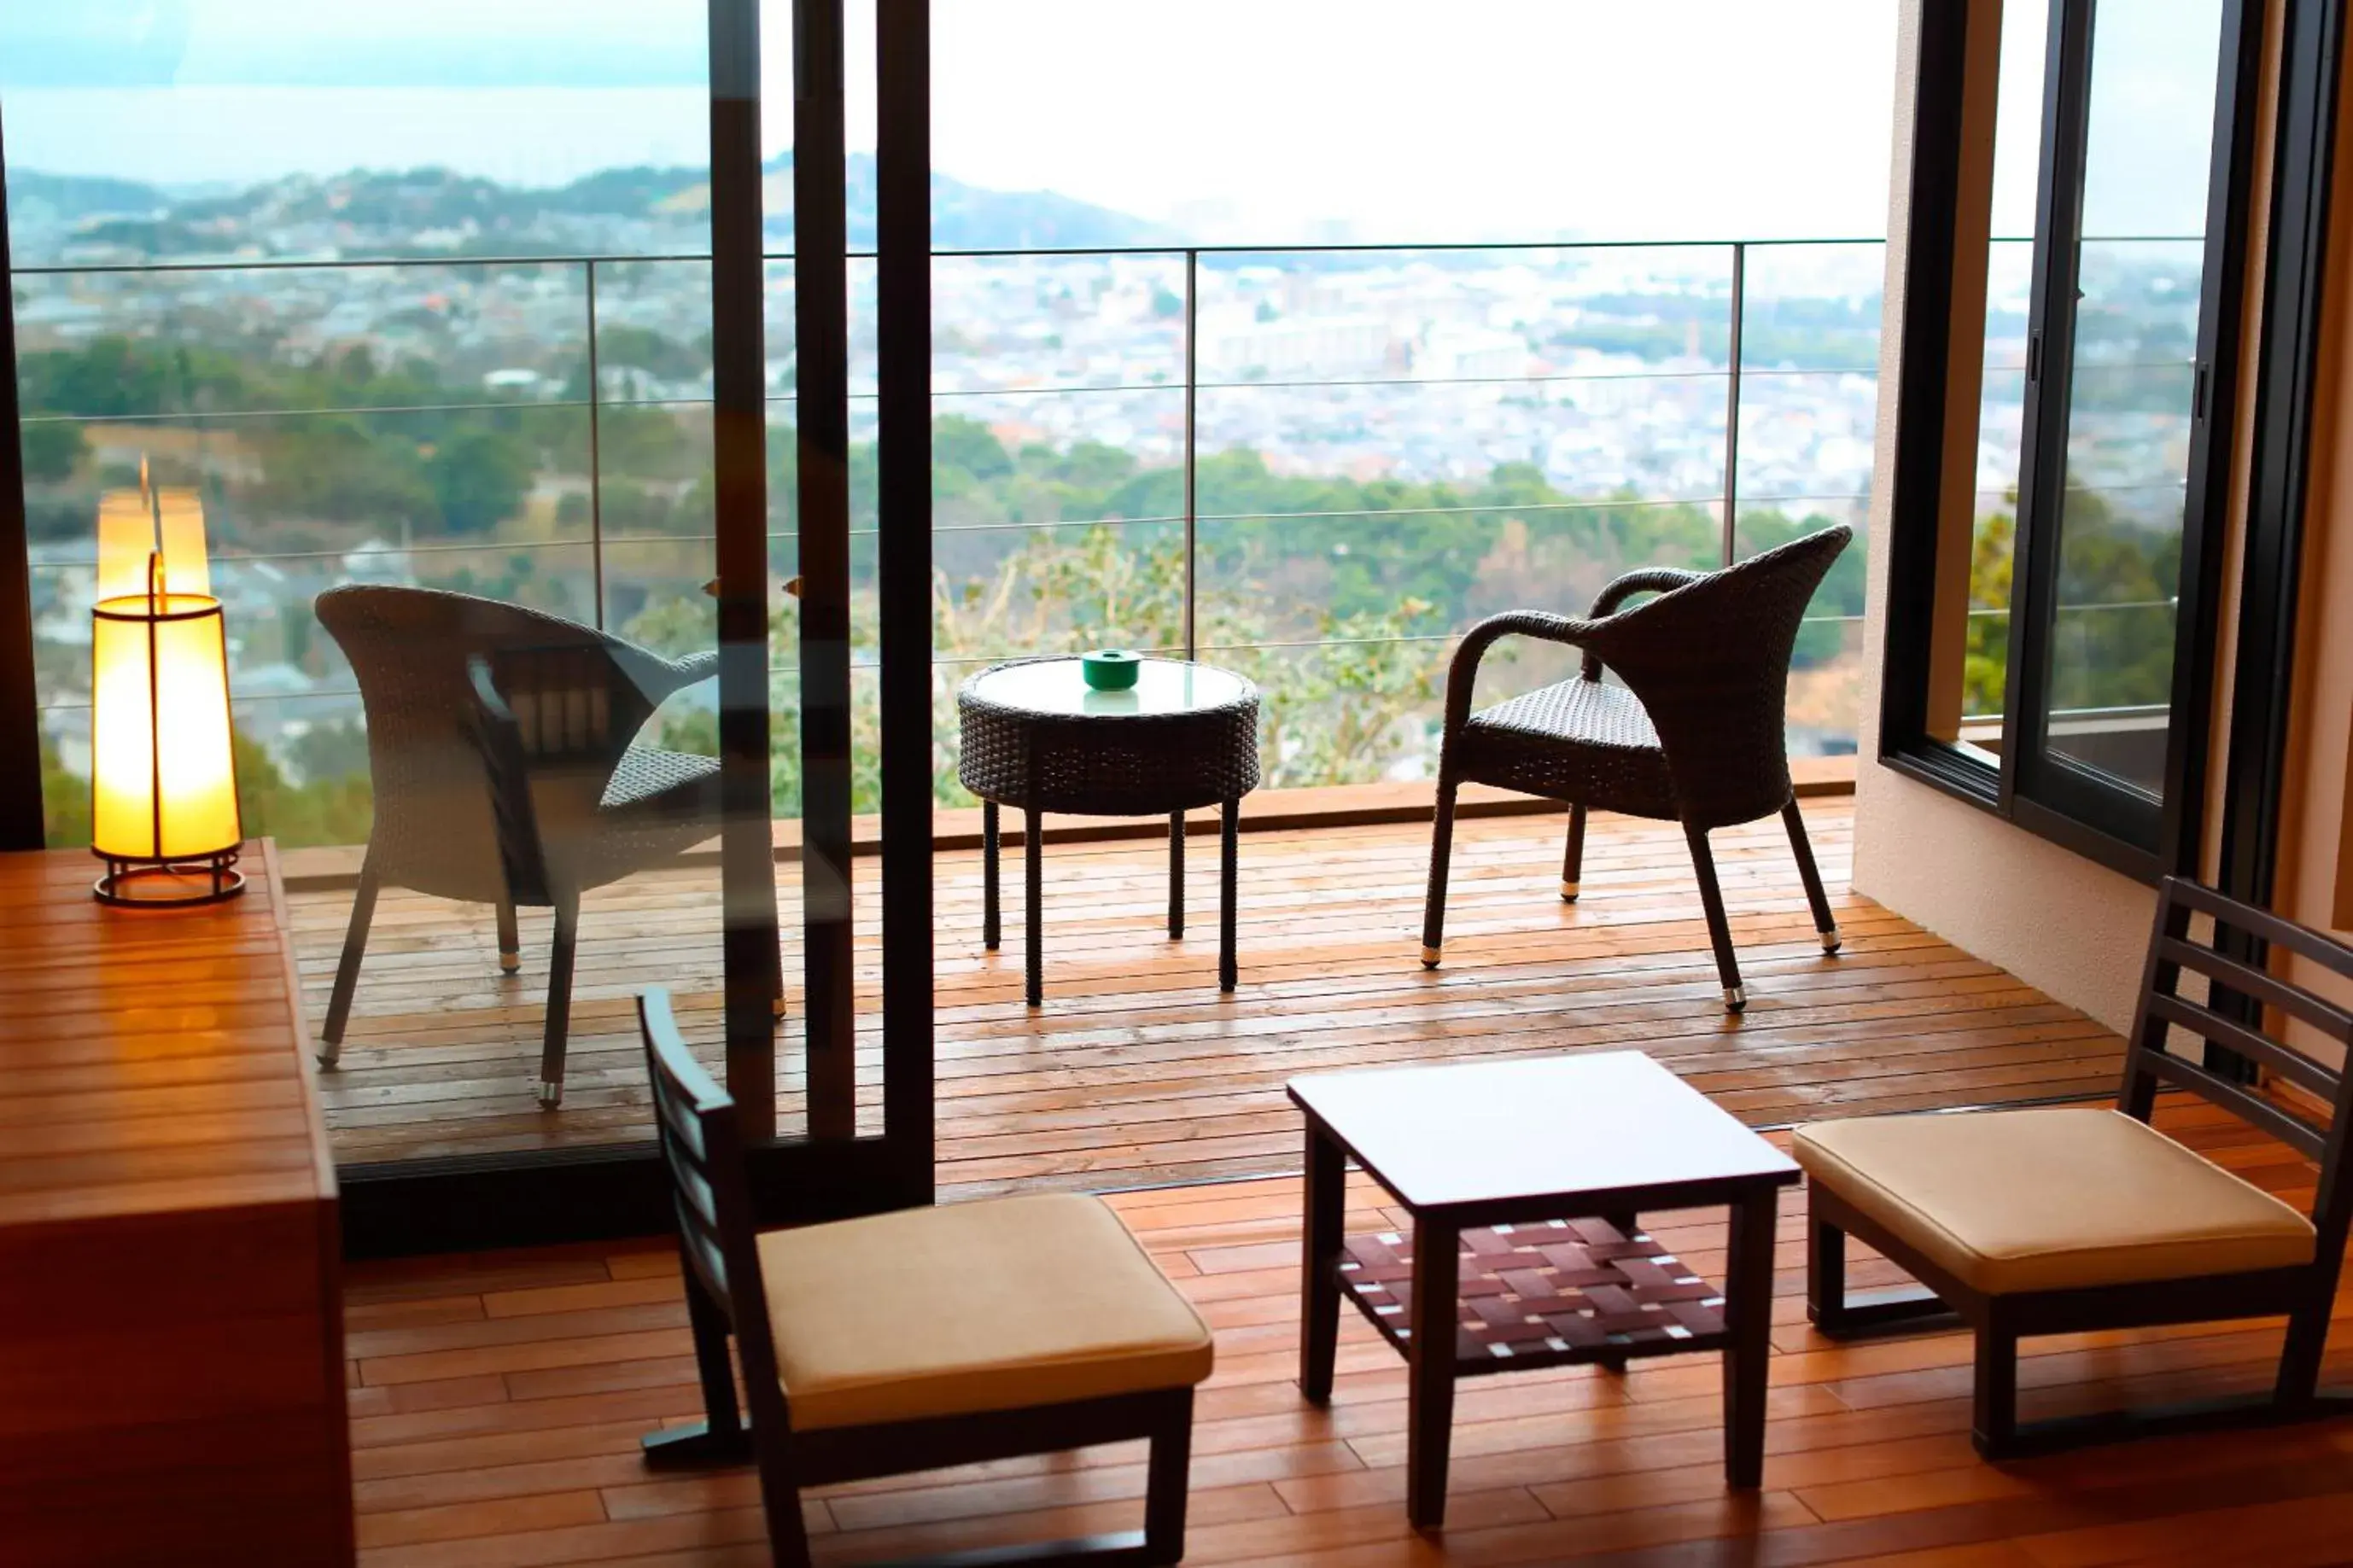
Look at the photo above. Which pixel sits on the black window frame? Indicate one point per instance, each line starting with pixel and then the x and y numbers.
pixel 2084 811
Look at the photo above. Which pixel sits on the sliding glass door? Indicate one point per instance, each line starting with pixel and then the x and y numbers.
pixel 514 438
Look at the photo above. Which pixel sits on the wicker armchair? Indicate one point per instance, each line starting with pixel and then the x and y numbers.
pixel 500 749
pixel 1695 736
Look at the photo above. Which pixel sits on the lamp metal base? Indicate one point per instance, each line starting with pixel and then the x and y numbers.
pixel 169 884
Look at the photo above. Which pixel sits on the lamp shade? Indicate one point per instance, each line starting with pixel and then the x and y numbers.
pixel 164 807
pixel 163 786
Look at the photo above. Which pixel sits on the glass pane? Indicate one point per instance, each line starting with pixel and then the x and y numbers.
pixel 344 277
pixel 1809 406
pixel 1397 443
pixel 1969 667
pixel 2150 114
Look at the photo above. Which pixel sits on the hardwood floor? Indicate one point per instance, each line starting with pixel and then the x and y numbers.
pixel 1137 1071
pixel 497 1401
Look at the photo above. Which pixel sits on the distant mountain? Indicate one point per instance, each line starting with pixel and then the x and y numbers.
pixel 72 196
pixel 438 212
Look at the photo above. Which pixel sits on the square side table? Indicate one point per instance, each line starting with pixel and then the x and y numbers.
pixel 1525 1180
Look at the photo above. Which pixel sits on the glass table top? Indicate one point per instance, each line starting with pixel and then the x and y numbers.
pixel 1163 686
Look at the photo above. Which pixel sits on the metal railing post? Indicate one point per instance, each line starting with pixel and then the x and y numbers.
pixel 1192 388
pixel 1732 404
pixel 596 455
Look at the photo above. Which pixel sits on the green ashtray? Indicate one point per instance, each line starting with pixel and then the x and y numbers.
pixel 1111 668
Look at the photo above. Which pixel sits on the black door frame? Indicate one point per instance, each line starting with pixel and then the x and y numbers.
pixel 821 423
pixel 2255 765
pixel 903 260
pixel 21 818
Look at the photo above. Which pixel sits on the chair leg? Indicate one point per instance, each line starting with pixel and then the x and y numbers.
pixel 1993 1425
pixel 1167 1480
pixel 1572 859
pixel 347 968
pixel 1825 1275
pixel 2308 1338
pixel 559 1001
pixel 1825 922
pixel 1719 928
pixel 780 1494
pixel 719 1438
pixel 510 939
pixel 1442 846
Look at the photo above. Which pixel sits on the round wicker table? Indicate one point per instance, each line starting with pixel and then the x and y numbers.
pixel 1037 738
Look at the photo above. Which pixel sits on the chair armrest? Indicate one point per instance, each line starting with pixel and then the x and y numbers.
pixel 1464 672
pixel 507 764
pixel 655 677
pixel 1642 580
pixel 695 667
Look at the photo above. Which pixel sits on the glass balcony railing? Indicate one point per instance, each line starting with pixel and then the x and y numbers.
pixel 1316 465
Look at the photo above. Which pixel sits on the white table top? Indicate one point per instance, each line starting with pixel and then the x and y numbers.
pixel 1162 687
pixel 1490 1132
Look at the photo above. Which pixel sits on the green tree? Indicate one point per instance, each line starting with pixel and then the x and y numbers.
pixel 333 810
pixel 479 478
pixel 970 446
pixel 53 451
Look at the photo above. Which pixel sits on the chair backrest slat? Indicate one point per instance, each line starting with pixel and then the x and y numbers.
pixel 2327 952
pixel 2163 1009
pixel 703 1253
pixel 695 1121
pixel 2209 1025
pixel 694 1193
pixel 2249 981
pixel 682 1126
pixel 564 700
pixel 2289 1130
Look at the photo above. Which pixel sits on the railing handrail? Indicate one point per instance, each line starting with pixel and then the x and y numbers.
pixel 1191 258
pixel 967 253
pixel 1174 248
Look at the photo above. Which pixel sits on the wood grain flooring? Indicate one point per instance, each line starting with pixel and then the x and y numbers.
pixel 1137 1071
pixel 497 1401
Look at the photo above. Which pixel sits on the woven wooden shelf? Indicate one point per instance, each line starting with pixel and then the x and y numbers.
pixel 1553 1292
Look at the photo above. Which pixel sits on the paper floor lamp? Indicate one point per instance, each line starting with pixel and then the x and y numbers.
pixel 163 811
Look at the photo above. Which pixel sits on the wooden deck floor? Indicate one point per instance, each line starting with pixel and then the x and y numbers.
pixel 497 1401
pixel 1137 1071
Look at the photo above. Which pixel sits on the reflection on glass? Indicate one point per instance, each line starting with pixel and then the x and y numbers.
pixel 353 317
pixel 1980 664
pixel 2129 403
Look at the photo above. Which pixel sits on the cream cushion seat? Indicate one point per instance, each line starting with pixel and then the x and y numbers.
pixel 994 1305
pixel 2011 1202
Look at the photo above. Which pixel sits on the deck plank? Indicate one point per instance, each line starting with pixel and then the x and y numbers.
pixel 522 1449
pixel 1137 1072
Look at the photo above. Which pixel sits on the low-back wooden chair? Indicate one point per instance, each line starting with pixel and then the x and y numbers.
pixel 2062 1219
pixel 929 1337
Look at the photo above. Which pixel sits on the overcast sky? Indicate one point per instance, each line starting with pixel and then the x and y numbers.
pixel 1275 118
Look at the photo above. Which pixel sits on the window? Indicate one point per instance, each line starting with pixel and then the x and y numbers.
pixel 2060 466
